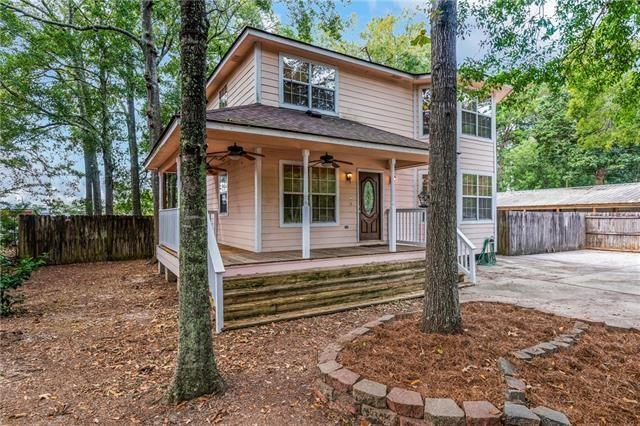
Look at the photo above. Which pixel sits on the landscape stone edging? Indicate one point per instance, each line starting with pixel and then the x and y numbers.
pixel 348 392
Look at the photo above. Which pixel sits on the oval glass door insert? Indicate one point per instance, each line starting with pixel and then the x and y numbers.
pixel 368 197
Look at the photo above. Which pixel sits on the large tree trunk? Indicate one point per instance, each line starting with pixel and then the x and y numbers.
pixel 441 301
pixel 153 100
pixel 95 182
pixel 133 153
pixel 196 370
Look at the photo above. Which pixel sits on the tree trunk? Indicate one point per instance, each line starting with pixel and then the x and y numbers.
pixel 153 101
pixel 88 187
pixel 600 174
pixel 441 311
pixel 106 143
pixel 95 182
pixel 196 370
pixel 133 153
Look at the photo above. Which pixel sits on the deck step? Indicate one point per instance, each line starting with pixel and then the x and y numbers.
pixel 260 299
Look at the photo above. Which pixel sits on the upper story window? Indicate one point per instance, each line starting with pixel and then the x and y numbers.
pixel 476 116
pixel 425 110
pixel 223 97
pixel 308 85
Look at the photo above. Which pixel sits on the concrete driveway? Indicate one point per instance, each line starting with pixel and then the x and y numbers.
pixel 601 286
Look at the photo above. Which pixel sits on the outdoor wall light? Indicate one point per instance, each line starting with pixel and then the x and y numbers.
pixel 349 176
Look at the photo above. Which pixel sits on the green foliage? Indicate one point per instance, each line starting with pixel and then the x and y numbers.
pixel 391 40
pixel 12 274
pixel 539 146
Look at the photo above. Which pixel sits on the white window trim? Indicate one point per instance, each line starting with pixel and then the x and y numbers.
pixel 419 110
pixel 218 193
pixel 476 137
pixel 281 196
pixel 301 108
pixel 493 197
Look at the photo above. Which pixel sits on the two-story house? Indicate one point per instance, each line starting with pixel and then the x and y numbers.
pixel 316 160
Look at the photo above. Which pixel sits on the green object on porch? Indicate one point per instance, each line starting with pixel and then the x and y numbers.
pixel 488 254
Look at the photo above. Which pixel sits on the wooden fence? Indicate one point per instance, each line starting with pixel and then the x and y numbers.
pixel 521 233
pixel 78 239
pixel 613 231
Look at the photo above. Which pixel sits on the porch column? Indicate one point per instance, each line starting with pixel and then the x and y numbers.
pixel 306 220
pixel 257 183
pixel 392 206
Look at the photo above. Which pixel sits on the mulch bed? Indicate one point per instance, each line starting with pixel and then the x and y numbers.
pixel 596 381
pixel 96 343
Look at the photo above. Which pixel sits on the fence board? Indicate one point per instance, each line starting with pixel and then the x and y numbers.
pixel 521 233
pixel 613 231
pixel 78 239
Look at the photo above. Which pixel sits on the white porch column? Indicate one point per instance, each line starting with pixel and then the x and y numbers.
pixel 306 218
pixel 392 206
pixel 257 184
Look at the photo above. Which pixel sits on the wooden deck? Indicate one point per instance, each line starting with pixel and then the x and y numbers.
pixel 232 256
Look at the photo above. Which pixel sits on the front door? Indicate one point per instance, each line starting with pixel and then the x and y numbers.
pixel 369 215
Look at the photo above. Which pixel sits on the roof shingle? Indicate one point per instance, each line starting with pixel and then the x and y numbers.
pixel 285 119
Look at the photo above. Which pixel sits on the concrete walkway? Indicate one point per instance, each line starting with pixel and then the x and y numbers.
pixel 600 286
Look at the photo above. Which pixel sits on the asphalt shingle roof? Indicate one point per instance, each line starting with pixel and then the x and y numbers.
pixel 624 193
pixel 286 119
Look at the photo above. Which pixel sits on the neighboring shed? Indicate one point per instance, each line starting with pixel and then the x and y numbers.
pixel 623 197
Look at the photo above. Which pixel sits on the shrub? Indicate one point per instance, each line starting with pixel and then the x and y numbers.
pixel 12 274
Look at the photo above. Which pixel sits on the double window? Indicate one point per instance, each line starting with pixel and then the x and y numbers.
pixel 308 85
pixel 223 194
pixel 477 197
pixel 476 116
pixel 323 194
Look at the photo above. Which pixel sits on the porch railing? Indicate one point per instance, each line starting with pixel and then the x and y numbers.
pixel 466 256
pixel 411 229
pixel 411 226
pixel 215 269
pixel 170 229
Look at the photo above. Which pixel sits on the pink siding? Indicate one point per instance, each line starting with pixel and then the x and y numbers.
pixel 241 84
pixel 384 104
pixel 237 227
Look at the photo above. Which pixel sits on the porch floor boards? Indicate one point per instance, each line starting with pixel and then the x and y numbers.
pixel 232 256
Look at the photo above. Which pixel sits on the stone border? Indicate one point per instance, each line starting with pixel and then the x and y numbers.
pixel 348 392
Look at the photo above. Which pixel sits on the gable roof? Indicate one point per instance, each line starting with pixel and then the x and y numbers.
pixel 295 121
pixel 623 193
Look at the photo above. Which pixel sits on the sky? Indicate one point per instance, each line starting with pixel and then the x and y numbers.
pixel 365 10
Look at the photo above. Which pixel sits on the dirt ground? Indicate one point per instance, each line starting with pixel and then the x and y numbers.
pixel 97 344
pixel 463 366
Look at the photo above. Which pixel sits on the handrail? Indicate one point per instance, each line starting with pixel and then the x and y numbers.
pixel 215 269
pixel 169 228
pixel 466 254
pixel 411 226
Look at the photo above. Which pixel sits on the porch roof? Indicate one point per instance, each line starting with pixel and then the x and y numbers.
pixel 290 120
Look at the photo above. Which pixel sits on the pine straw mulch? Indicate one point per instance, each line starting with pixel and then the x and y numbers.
pixel 598 378
pixel 96 343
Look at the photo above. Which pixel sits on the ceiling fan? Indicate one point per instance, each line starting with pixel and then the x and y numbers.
pixel 234 152
pixel 213 170
pixel 328 161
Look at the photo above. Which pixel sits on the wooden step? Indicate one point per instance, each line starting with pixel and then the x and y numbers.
pixel 280 278
pixel 304 301
pixel 243 295
pixel 322 310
